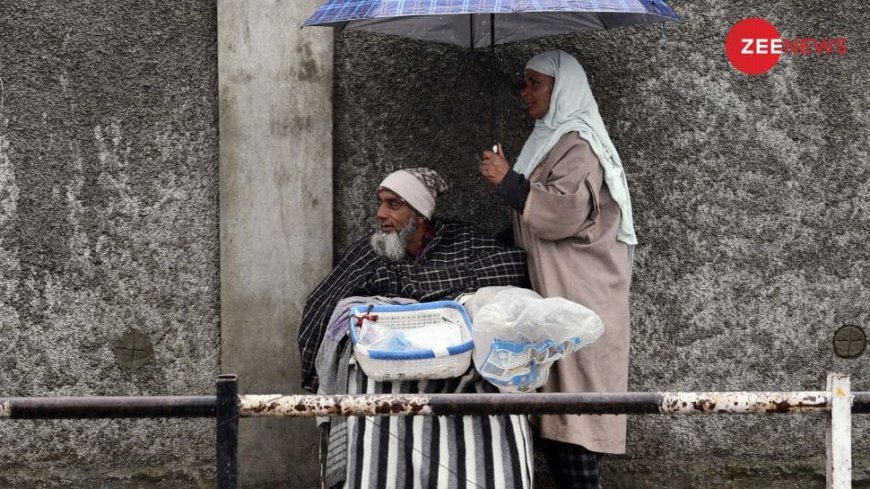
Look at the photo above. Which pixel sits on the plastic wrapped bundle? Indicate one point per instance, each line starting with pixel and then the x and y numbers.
pixel 518 335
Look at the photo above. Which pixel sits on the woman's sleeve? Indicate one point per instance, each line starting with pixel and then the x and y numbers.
pixel 564 201
pixel 514 190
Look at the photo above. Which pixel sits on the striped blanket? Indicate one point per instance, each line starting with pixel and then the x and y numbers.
pixel 444 452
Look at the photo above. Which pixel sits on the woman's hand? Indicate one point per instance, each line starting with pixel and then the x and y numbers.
pixel 494 166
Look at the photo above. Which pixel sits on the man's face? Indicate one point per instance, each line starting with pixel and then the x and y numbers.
pixel 393 213
pixel 536 93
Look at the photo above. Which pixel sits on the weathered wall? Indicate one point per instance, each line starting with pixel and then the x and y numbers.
pixel 108 223
pixel 750 196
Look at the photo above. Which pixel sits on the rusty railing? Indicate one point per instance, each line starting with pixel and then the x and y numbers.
pixel 837 403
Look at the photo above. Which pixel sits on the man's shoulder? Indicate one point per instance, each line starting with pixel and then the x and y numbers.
pixel 361 243
pixel 359 248
pixel 445 227
pixel 460 231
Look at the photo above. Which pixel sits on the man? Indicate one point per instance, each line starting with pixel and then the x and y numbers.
pixel 409 255
pixel 413 256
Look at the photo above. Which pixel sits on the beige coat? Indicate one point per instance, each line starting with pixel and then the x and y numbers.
pixel 568 228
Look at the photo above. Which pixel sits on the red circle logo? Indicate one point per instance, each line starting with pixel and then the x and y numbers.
pixel 753 46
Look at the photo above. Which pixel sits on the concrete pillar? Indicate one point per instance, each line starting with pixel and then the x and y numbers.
pixel 275 91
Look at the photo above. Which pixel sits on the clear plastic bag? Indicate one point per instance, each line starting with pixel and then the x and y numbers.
pixel 436 336
pixel 518 335
pixel 376 336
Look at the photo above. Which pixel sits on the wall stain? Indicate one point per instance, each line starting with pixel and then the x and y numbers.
pixel 309 71
pixel 287 125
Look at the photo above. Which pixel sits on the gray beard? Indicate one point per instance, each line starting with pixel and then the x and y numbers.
pixel 393 246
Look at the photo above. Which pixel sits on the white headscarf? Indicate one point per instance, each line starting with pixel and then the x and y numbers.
pixel 573 108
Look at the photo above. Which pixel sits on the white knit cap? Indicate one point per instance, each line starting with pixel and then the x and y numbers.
pixel 417 186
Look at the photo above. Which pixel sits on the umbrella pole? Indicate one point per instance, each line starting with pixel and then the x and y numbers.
pixel 492 125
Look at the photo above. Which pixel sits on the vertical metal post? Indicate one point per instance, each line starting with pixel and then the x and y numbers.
pixel 227 431
pixel 324 449
pixel 839 435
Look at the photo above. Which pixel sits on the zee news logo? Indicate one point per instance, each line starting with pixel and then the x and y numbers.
pixel 754 46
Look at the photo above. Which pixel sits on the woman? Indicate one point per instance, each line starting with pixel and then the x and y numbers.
pixel 572 215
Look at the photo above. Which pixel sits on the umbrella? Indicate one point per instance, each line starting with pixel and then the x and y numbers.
pixel 482 23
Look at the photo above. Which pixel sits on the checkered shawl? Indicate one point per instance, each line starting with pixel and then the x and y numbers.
pixel 460 258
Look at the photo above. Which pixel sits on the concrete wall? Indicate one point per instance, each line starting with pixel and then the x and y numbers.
pixel 108 234
pixel 276 216
pixel 750 196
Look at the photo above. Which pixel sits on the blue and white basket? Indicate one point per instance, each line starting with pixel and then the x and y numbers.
pixel 445 363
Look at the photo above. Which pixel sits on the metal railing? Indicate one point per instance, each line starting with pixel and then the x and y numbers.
pixel 837 403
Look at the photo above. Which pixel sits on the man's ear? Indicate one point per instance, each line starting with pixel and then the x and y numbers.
pixel 420 219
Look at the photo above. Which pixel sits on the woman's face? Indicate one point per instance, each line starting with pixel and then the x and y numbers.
pixel 536 93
